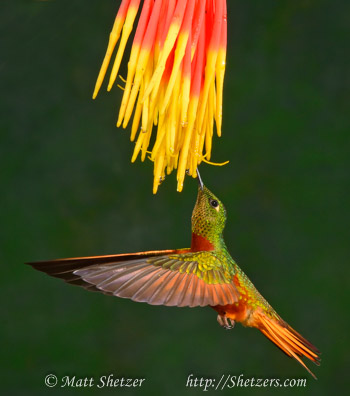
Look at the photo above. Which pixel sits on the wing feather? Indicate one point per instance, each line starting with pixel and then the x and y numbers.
pixel 161 293
pixel 156 277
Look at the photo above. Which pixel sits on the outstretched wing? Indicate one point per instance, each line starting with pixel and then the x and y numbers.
pixel 164 277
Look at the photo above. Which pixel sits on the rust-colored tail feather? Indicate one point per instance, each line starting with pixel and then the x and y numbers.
pixel 288 340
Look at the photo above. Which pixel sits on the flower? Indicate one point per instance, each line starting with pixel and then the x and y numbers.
pixel 174 81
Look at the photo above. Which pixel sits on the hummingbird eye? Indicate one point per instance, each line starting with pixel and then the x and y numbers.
pixel 214 203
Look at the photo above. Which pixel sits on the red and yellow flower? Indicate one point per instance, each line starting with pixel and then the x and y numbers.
pixel 174 82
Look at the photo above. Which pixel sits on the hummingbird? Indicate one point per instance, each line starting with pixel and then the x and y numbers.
pixel 203 275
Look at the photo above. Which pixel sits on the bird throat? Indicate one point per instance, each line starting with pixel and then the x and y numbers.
pixel 199 243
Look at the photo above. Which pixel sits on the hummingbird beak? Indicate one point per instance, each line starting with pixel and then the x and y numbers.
pixel 201 185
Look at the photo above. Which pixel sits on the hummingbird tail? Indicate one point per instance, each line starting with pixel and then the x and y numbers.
pixel 288 340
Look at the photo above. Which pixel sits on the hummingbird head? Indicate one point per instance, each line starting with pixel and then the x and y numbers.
pixel 209 214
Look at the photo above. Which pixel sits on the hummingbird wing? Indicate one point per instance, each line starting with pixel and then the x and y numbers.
pixel 167 277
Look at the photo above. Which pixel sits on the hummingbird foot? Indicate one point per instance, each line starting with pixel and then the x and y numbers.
pixel 226 323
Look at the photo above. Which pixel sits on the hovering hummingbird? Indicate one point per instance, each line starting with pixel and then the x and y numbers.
pixel 203 275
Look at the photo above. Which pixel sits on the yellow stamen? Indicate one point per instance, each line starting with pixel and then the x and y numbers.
pixel 220 73
pixel 113 39
pixel 158 171
pixel 137 146
pixel 215 163
pixel 192 111
pixel 127 29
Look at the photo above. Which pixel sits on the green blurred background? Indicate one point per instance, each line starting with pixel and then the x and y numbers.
pixel 68 189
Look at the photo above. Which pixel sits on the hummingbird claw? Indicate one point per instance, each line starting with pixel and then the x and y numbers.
pixel 225 322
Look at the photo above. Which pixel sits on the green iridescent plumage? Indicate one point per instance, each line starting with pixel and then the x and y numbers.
pixel 209 221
